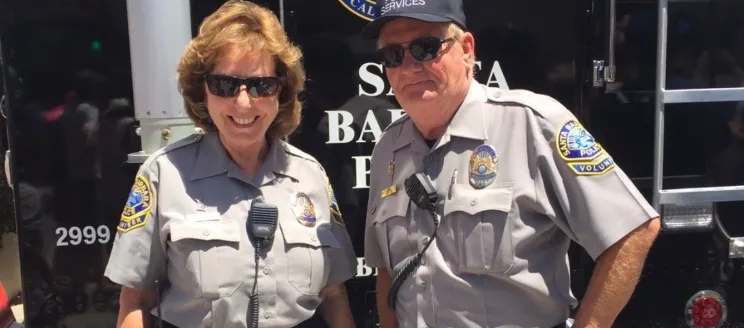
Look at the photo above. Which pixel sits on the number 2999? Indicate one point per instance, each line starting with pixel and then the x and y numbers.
pixel 88 235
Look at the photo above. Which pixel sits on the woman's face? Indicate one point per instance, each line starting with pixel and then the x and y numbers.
pixel 242 119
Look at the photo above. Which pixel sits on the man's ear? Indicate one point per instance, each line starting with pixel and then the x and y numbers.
pixel 468 49
pixel 468 52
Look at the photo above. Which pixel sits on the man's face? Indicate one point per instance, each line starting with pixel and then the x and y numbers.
pixel 417 85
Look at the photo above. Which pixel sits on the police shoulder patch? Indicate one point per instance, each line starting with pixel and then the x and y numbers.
pixel 599 166
pixel 138 206
pixel 574 143
pixel 336 215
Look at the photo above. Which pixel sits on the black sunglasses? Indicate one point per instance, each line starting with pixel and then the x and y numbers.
pixel 227 86
pixel 421 49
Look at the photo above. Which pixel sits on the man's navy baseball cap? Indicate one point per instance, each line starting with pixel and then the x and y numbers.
pixel 432 11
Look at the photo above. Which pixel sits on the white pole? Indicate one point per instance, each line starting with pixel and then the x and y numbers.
pixel 159 31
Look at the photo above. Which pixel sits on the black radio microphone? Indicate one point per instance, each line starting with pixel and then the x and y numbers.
pixel 260 225
pixel 420 190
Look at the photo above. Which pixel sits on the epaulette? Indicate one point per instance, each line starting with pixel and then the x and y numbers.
pixel 396 122
pixel 294 151
pixel 543 105
pixel 190 140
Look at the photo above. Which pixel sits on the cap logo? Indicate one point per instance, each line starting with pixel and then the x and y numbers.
pixel 365 9
pixel 400 4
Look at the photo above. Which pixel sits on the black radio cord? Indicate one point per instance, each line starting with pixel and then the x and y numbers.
pixel 411 263
pixel 253 298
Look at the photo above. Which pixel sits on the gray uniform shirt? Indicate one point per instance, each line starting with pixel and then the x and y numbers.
pixel 189 207
pixel 517 179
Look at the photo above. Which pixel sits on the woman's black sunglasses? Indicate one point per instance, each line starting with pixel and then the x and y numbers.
pixel 421 49
pixel 227 86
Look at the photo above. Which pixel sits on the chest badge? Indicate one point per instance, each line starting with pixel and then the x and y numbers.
pixel 304 210
pixel 484 166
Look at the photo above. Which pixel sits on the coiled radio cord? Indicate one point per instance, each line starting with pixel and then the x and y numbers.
pixel 422 193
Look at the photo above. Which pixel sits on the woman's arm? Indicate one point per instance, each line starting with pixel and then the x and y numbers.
pixel 335 307
pixel 133 308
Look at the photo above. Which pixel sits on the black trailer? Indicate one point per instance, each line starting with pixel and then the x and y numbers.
pixel 658 82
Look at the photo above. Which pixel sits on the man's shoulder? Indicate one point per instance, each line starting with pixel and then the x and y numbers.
pixel 397 123
pixel 389 134
pixel 541 105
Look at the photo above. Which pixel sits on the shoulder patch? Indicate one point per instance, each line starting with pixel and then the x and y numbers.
pixel 575 143
pixel 138 206
pixel 599 166
pixel 336 215
pixel 583 154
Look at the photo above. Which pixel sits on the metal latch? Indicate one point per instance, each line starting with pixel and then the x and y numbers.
pixel 736 248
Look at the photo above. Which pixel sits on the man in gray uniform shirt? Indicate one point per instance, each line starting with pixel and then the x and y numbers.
pixel 517 178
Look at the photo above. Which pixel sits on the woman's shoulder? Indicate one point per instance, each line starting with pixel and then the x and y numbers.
pixel 166 153
pixel 296 152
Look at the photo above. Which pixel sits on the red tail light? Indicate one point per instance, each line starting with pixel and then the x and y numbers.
pixel 705 309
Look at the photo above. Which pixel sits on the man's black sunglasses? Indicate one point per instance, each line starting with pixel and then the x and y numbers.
pixel 227 86
pixel 421 49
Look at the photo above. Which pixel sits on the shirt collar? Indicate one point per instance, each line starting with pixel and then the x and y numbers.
pixel 468 122
pixel 212 159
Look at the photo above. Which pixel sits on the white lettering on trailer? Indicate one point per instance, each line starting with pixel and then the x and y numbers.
pixel 89 235
pixel 363 270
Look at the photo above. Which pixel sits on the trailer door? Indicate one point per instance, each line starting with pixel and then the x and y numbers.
pixel 668 105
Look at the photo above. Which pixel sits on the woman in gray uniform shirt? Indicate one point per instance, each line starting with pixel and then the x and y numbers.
pixel 184 226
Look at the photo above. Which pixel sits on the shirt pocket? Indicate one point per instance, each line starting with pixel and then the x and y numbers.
pixel 482 229
pixel 309 258
pixel 212 253
pixel 390 218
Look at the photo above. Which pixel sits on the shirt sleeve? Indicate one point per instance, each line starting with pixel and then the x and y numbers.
pixel 138 257
pixel 343 258
pixel 584 191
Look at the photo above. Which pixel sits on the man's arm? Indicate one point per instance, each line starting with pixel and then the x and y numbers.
pixel 335 307
pixel 387 316
pixel 615 277
pixel 134 307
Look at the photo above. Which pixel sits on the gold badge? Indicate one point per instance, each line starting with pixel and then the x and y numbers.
pixel 484 165
pixel 389 191
pixel 304 210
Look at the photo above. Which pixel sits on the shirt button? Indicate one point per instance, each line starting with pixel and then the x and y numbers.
pixel 266 270
pixel 373 209
pixel 205 233
pixel 423 284
pixel 267 314
pixel 473 202
pixel 428 158
pixel 424 240
pixel 313 238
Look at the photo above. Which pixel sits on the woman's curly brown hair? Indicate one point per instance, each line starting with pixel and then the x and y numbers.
pixel 245 27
